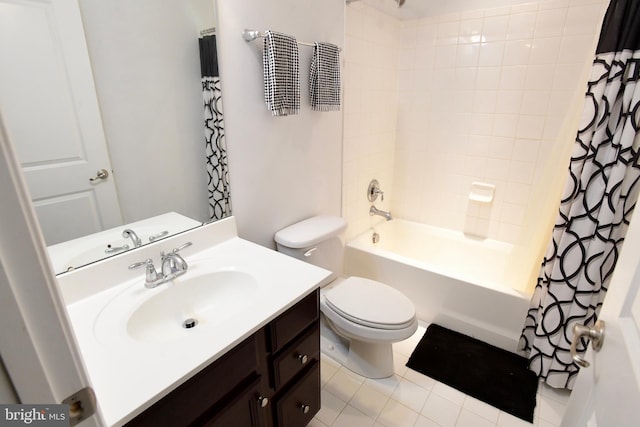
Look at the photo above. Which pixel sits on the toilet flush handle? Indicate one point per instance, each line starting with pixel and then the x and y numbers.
pixel 310 251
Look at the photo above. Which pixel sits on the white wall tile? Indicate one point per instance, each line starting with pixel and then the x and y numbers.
pixel 467 55
pixel 501 148
pixel 535 102
pixel 553 4
pixel 530 127
pixel 447 32
pixel 545 50
pixel 445 56
pixel 488 78
pixel 495 28
pixel 491 54
pixel 479 92
pixel 505 125
pixel 513 77
pixel 539 77
pixel 425 34
pixel 484 101
pixel 509 101
pixel 574 48
pixel 516 52
pixel 470 30
pixel 578 18
pixel 521 25
pixel 550 23
pixel 526 150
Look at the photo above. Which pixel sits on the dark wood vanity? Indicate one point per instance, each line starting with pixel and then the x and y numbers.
pixel 271 379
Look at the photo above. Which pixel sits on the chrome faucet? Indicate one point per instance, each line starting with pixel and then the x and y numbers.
pixel 172 265
pixel 375 211
pixel 129 233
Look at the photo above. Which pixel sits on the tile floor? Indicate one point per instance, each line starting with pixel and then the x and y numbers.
pixel 409 398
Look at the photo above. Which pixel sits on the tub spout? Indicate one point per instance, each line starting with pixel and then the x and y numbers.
pixel 375 211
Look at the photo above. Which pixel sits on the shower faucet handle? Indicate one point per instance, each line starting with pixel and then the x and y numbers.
pixel 374 190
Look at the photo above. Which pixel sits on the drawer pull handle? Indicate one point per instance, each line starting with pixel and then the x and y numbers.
pixel 263 401
pixel 303 358
pixel 305 409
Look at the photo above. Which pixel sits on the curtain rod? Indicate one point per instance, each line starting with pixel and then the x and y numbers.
pixel 250 35
pixel 208 31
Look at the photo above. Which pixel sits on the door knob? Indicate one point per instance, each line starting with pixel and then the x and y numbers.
pixel 596 334
pixel 101 174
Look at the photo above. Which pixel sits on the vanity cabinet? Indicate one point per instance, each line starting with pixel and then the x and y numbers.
pixel 271 379
pixel 294 361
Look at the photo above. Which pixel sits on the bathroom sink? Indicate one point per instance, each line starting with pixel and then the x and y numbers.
pixel 189 305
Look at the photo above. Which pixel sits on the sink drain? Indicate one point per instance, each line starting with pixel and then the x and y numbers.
pixel 189 323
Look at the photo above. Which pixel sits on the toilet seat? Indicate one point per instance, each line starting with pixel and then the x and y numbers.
pixel 371 304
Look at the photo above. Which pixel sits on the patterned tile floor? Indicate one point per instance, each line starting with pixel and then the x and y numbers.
pixel 409 398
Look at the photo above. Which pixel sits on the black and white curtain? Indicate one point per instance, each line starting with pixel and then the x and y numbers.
pixel 215 149
pixel 597 204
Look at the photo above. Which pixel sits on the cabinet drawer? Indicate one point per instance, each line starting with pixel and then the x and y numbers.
pixel 298 355
pixel 293 321
pixel 298 405
pixel 204 390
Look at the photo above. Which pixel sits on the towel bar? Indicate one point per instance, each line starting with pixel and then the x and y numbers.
pixel 250 35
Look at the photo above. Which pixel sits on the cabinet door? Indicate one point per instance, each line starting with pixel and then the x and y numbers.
pixel 298 405
pixel 243 410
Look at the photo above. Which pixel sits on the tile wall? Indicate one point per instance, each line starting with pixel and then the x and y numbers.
pixel 481 95
pixel 370 109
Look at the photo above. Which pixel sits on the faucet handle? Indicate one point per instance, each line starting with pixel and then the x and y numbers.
pixel 181 247
pixel 374 190
pixel 135 265
pixel 151 274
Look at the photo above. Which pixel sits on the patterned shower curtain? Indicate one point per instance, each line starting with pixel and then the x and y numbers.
pixel 215 148
pixel 597 204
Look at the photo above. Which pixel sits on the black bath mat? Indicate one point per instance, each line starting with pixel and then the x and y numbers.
pixel 480 370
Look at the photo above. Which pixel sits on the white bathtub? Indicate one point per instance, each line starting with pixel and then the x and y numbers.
pixel 460 282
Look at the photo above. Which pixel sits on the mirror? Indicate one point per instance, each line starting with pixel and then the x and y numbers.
pixel 139 75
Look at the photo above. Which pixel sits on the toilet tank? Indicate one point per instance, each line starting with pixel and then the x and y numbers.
pixel 318 240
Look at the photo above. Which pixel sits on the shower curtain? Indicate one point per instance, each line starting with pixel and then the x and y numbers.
pixel 597 204
pixel 215 147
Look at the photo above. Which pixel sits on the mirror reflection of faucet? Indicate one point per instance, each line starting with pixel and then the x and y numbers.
pixel 375 211
pixel 114 249
pixel 129 233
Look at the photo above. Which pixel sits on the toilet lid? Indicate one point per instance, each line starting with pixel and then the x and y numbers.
pixel 371 303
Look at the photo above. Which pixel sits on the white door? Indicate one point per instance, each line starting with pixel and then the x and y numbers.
pixel 36 341
pixel 50 111
pixel 607 393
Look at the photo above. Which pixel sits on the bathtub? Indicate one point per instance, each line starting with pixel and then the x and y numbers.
pixel 460 282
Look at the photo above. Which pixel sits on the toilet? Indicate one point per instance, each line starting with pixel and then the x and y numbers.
pixel 365 315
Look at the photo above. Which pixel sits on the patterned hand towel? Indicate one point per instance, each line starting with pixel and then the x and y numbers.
pixel 281 74
pixel 324 77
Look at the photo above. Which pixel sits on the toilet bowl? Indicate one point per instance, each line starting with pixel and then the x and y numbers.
pixel 370 316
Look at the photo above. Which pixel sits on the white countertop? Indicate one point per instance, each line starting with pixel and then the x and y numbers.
pixel 128 375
